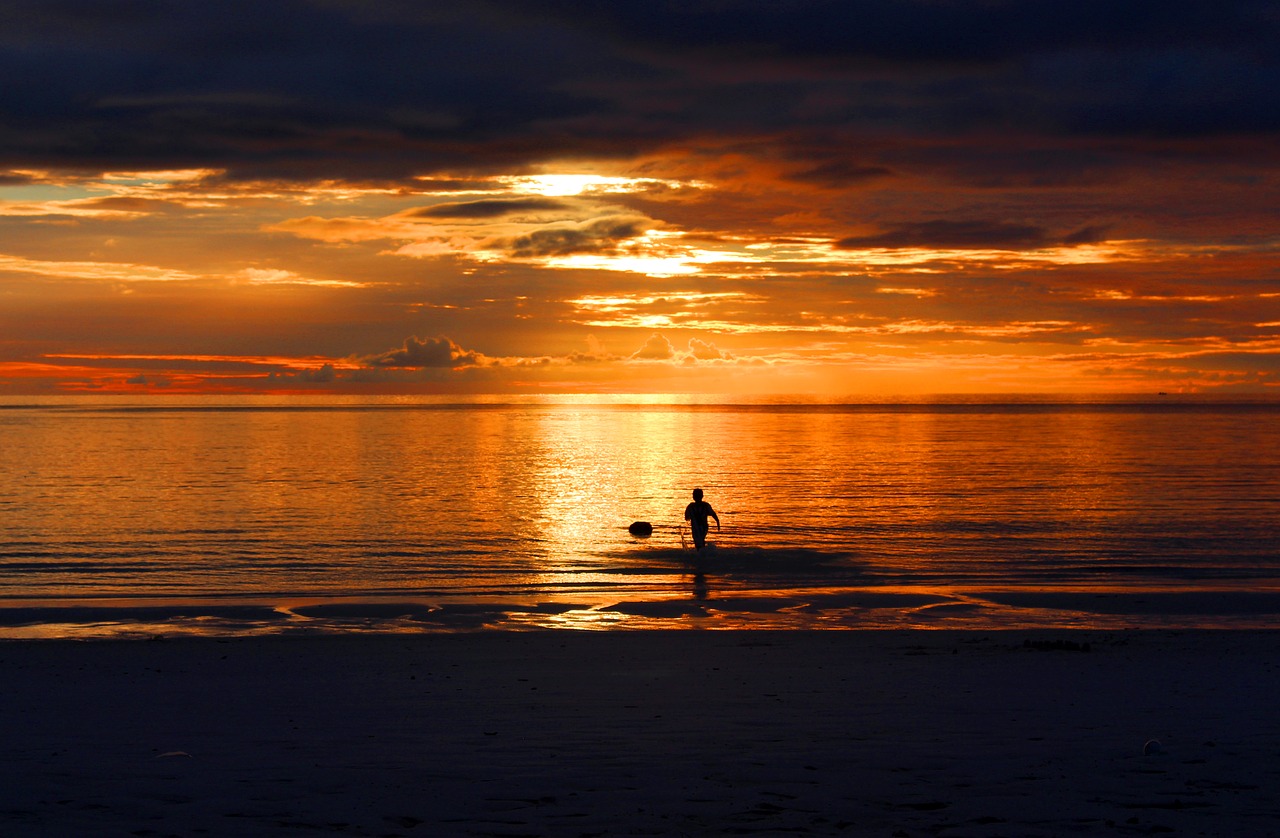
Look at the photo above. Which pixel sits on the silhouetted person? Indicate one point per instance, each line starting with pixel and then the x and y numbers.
pixel 697 514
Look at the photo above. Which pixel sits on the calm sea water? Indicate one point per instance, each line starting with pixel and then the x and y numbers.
pixel 251 516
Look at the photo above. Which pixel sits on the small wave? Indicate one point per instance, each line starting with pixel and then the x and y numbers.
pixel 151 615
pixel 740 556
pixel 1145 603
pixel 78 567
pixel 670 609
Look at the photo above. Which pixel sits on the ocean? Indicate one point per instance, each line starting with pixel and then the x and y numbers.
pixel 235 516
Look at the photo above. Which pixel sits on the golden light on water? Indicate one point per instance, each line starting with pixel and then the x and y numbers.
pixel 705 207
pixel 445 517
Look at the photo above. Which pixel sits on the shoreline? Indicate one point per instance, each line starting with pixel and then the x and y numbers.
pixel 966 608
pixel 646 732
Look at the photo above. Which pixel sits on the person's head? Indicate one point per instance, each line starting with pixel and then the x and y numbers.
pixel 697 494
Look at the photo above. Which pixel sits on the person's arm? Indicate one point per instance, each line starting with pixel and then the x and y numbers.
pixel 688 512
pixel 714 515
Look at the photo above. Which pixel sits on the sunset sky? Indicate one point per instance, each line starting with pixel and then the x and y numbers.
pixel 706 196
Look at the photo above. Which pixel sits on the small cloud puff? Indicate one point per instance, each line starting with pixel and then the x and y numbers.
pixel 701 350
pixel 147 381
pixel 595 353
pixel 659 348
pixel 429 352
pixel 491 208
pixel 322 375
pixel 600 235
pixel 656 348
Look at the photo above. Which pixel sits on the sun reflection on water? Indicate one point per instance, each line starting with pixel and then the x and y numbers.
pixel 516 515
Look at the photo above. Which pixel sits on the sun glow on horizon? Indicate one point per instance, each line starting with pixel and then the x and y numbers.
pixel 654 266
pixel 493 278
pixel 568 185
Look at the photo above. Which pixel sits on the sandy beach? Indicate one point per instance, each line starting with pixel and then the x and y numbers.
pixel 561 733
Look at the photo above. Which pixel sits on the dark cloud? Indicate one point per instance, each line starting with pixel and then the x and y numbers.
pixel 148 381
pixel 837 174
pixel 323 375
pixel 127 204
pixel 491 208
pixel 971 235
pixel 335 88
pixel 1087 235
pixel 428 352
pixel 459 184
pixel 1011 164
pixel 599 236
pixel 14 179
pixel 281 87
pixel 919 31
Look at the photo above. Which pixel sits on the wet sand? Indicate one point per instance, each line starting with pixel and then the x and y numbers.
pixel 565 733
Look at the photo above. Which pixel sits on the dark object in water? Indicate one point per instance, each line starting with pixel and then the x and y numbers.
pixel 641 528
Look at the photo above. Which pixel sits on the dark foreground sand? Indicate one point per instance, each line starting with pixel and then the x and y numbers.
pixel 644 733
